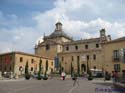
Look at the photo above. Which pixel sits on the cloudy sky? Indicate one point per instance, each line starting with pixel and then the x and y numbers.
pixel 23 22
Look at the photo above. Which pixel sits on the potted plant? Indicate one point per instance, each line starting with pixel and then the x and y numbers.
pixel 107 76
pixel 90 77
pixel 27 75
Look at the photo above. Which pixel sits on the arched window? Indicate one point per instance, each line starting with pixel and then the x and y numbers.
pixel 31 68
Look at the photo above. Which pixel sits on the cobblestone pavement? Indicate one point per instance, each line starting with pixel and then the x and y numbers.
pixel 55 86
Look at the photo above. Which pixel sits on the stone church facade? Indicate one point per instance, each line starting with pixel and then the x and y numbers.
pixel 66 51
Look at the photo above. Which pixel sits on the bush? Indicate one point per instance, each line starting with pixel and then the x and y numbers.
pixel 39 78
pixel 45 78
pixel 90 78
pixel 73 78
pixel 107 77
pixel 27 76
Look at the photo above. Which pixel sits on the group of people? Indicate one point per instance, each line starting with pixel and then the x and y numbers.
pixel 63 77
pixel 115 77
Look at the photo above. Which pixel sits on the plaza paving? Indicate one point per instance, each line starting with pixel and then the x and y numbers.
pixel 53 86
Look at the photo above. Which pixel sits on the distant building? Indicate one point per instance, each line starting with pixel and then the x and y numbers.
pixel 15 62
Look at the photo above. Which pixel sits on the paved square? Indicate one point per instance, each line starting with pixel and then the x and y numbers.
pixel 52 86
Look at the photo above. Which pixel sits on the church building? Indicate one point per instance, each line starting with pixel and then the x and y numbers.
pixel 82 54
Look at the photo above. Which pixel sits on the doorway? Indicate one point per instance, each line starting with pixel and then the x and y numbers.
pixel 83 67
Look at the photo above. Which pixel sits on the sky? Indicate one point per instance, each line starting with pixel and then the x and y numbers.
pixel 24 22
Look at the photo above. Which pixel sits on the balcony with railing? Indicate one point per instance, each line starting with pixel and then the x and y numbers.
pixel 116 59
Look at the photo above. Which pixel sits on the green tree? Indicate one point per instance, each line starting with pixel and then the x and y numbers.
pixel 27 75
pixel 72 69
pixel 60 68
pixel 46 69
pixel 47 65
pixel 78 68
pixel 39 72
pixel 26 68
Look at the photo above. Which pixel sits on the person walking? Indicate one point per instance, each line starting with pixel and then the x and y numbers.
pixel 84 75
pixel 113 76
pixel 116 76
pixel 75 80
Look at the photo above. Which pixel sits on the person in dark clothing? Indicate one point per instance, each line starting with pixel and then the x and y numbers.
pixel 75 80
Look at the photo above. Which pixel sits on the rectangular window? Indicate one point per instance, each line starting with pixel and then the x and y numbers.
pixel 94 57
pixel 51 63
pixel 72 58
pixel 10 68
pixel 40 60
pixel 122 53
pixel 11 58
pixel 32 61
pixel 77 58
pixel 76 47
pixel 21 59
pixel 87 57
pixel 94 67
pixel 86 46
pixel 47 47
pixel 31 69
pixel 117 67
pixel 97 45
pixel 5 68
pixel 116 56
pixel 67 48
pixel 62 59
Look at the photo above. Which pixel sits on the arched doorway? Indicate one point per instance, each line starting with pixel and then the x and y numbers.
pixel 83 67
